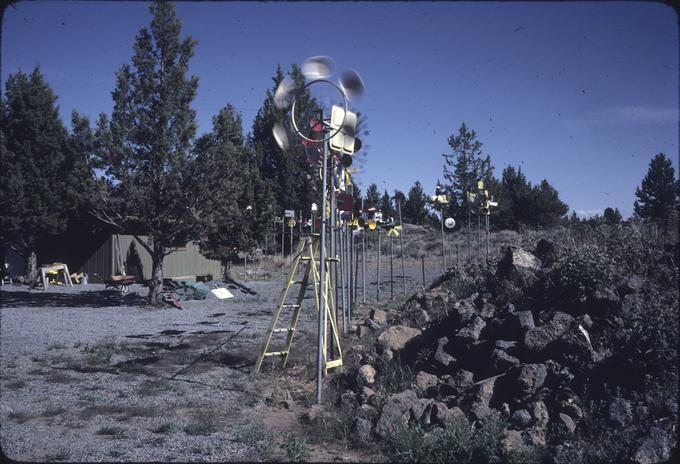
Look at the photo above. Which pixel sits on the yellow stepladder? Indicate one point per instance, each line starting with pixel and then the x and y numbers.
pixel 306 252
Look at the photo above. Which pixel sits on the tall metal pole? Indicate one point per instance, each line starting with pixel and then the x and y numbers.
pixel 377 282
pixel 322 276
pixel 468 234
pixel 479 236
pixel 334 256
pixel 350 280
pixel 363 258
pixel 487 234
pixel 391 271
pixel 343 263
pixel 291 240
pixel 283 236
pixel 443 247
pixel 401 248
pixel 356 269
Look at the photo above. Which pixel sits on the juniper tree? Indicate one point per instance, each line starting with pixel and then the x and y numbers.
pixel 415 208
pixel 387 207
pixel 372 198
pixel 145 149
pixel 463 168
pixel 42 180
pixel 658 194
pixel 236 207
pixel 291 178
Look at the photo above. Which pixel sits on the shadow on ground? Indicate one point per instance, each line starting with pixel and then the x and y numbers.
pixel 98 299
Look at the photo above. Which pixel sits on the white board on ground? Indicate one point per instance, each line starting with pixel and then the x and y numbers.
pixel 222 293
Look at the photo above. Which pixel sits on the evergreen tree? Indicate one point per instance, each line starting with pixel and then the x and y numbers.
pixel 612 216
pixel 463 168
pixel 513 194
pixel 372 199
pixel 356 195
pixel 235 211
pixel 658 194
pixel 293 181
pixel 547 210
pixel 414 209
pixel 146 147
pixel 387 207
pixel 41 179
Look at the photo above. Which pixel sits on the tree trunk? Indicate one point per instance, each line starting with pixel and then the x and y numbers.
pixel 32 265
pixel 156 284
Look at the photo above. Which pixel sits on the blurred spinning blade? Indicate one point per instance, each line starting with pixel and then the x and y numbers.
pixel 351 83
pixel 318 67
pixel 281 136
pixel 283 97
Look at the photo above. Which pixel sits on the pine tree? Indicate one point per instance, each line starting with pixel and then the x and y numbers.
pixel 659 192
pixel 414 209
pixel 145 149
pixel 372 199
pixel 547 210
pixel 40 179
pixel 513 194
pixel 463 168
pixel 612 216
pixel 293 181
pixel 387 207
pixel 236 209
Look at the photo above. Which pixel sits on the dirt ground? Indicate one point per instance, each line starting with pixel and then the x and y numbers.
pixel 88 374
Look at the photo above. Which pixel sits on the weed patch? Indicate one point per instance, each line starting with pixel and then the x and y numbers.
pixel 201 426
pixel 118 433
pixel 169 427
pixel 297 448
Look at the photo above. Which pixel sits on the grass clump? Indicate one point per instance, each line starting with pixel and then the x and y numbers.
pixel 415 444
pixel 98 354
pixel 394 376
pixel 201 426
pixel 297 448
pixel 119 433
pixel 169 427
pixel 256 435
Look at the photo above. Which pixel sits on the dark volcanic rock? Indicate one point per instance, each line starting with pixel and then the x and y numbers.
pixel 471 332
pixel 525 379
pixel 502 361
pixel 397 412
pixel 441 356
pixel 447 417
pixel 454 385
pixel 566 422
pixel 521 417
pixel 537 339
pixel 545 251
pixel 654 448
pixel 620 412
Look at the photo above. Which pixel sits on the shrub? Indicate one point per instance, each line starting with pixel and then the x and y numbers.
pixel 297 448
pixel 579 272
pixel 415 444
pixel 256 435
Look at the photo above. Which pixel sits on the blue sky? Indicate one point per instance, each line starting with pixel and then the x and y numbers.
pixel 583 94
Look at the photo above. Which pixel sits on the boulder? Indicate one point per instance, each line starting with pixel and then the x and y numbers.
pixel 363 331
pixel 525 379
pixel 516 259
pixel 396 413
pixel 655 447
pixel 379 316
pixel 540 412
pixel 395 338
pixel 604 301
pixel 365 394
pixel 505 345
pixel 511 440
pixel 454 385
pixel 366 375
pixel 479 398
pixel 425 381
pixel 471 332
pixel 525 320
pixel 441 356
pixel 502 361
pixel 447 417
pixel 521 417
pixel 566 422
pixel 463 311
pixel 537 339
pixel 362 430
pixel 620 412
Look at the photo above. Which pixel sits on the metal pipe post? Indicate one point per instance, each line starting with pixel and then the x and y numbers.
pixel 341 242
pixel 377 282
pixel 391 271
pixel 322 276
pixel 443 247
pixel 401 249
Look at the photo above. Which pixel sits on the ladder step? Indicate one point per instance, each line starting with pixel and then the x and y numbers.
pixel 276 353
pixel 305 258
pixel 297 281
pixel 333 259
pixel 290 306
pixel 334 363
pixel 283 330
